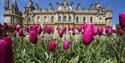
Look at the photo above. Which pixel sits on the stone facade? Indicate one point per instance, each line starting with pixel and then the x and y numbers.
pixel 64 15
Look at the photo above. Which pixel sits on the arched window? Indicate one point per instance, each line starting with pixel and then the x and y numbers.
pixel 38 19
pixel 59 18
pixel 84 19
pixel 77 19
pixel 91 19
pixel 70 18
pixel 52 19
pixel 64 18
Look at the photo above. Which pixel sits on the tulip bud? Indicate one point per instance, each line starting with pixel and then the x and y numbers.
pixel 108 30
pixel 122 19
pixel 65 45
pixel 73 32
pixel 39 29
pixel 120 32
pixel 5 26
pixel 33 37
pixel 100 30
pixel 80 29
pixel 52 45
pixel 21 33
pixel 60 32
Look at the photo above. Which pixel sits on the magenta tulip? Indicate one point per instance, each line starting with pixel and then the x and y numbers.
pixel 39 29
pixel 21 33
pixel 120 32
pixel 52 45
pixel 6 50
pixel 80 29
pixel 122 19
pixel 73 31
pixel 87 35
pixel 5 26
pixel 108 30
pixel 65 45
pixel 100 30
pixel 48 29
pixel 60 32
pixel 33 37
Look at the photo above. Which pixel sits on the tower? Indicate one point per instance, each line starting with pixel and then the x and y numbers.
pixel 6 4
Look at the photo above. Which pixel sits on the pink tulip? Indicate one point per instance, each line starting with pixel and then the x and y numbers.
pixel 33 37
pixel 21 33
pixel 95 30
pixel 122 19
pixel 52 45
pixel 60 32
pixel 100 30
pixel 65 45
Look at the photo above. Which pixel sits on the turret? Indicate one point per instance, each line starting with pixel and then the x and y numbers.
pixel 6 4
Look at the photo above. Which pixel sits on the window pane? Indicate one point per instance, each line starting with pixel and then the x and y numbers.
pixel 77 19
pixel 64 19
pixel 91 19
pixel 52 19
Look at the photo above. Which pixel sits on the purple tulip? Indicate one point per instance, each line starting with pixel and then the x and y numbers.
pixel 100 30
pixel 6 50
pixel 21 33
pixel 14 34
pixel 65 45
pixel 5 26
pixel 33 37
pixel 122 19
pixel 52 45
pixel 48 29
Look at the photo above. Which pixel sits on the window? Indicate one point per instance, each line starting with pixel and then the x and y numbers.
pixel 77 19
pixel 91 19
pixel 64 18
pixel 84 19
pixel 38 19
pixel 52 19
pixel 59 18
pixel 70 18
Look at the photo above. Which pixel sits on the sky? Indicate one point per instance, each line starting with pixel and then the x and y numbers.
pixel 117 6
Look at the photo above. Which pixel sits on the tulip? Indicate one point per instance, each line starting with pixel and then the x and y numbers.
pixel 120 32
pixel 33 37
pixel 6 50
pixel 14 34
pixel 95 30
pixel 100 30
pixel 108 30
pixel 80 29
pixel 64 29
pixel 39 29
pixel 5 26
pixel 65 45
pixel 87 35
pixel 48 29
pixel 52 45
pixel 18 28
pixel 73 32
pixel 122 19
pixel 60 32
pixel 21 33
